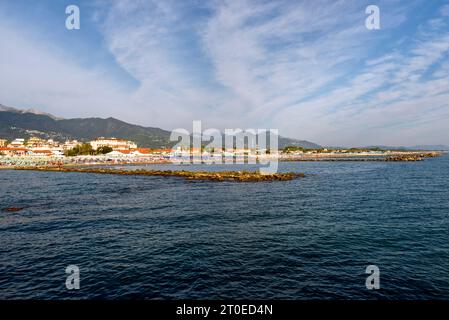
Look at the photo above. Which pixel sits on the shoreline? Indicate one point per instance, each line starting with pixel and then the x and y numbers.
pixel 30 162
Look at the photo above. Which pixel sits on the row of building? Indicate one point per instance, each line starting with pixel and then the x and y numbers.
pixel 35 146
pixel 120 148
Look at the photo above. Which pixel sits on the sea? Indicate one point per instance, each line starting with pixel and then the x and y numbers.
pixel 148 237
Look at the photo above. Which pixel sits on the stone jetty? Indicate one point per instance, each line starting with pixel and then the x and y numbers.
pixel 237 176
pixel 412 157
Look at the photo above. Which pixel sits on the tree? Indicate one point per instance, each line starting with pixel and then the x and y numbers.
pixel 289 149
pixel 81 149
pixel 104 150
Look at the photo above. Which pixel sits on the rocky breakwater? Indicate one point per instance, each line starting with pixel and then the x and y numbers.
pixel 237 176
pixel 412 156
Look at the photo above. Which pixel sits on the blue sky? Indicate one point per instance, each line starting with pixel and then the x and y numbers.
pixel 308 68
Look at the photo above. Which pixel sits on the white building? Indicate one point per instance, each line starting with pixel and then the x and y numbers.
pixel 114 143
pixel 70 144
pixel 17 143
pixel 120 153
pixel 40 153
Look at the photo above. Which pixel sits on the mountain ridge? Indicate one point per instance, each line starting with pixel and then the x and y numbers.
pixel 31 110
pixel 16 123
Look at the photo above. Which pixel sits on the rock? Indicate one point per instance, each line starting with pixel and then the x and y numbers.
pixel 414 157
pixel 239 176
pixel 12 209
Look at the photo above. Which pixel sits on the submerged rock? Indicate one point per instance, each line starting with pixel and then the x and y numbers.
pixel 12 209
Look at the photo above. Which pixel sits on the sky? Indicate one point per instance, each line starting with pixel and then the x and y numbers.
pixel 311 69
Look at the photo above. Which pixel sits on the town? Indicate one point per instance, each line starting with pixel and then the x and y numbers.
pixel 38 147
pixel 111 147
pixel 38 151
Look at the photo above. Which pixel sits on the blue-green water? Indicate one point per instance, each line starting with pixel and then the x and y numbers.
pixel 164 237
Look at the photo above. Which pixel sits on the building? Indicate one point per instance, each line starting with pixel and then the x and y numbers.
pixel 114 143
pixel 41 153
pixel 17 143
pixel 120 153
pixel 70 144
pixel 3 143
pixel 138 152
pixel 141 152
pixel 161 151
pixel 13 152
pixel 35 142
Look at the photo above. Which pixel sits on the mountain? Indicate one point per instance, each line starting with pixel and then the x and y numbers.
pixel 15 123
pixel 285 142
pixel 34 111
pixel 438 147
pixel 246 137
pixel 381 147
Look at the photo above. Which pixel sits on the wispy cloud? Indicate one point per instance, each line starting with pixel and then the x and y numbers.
pixel 309 68
pixel 35 74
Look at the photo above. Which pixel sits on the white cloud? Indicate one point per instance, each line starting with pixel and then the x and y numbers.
pixel 300 87
pixel 34 75
pixel 309 68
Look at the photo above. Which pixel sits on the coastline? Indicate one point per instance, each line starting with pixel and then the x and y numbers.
pixel 79 162
pixel 98 167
